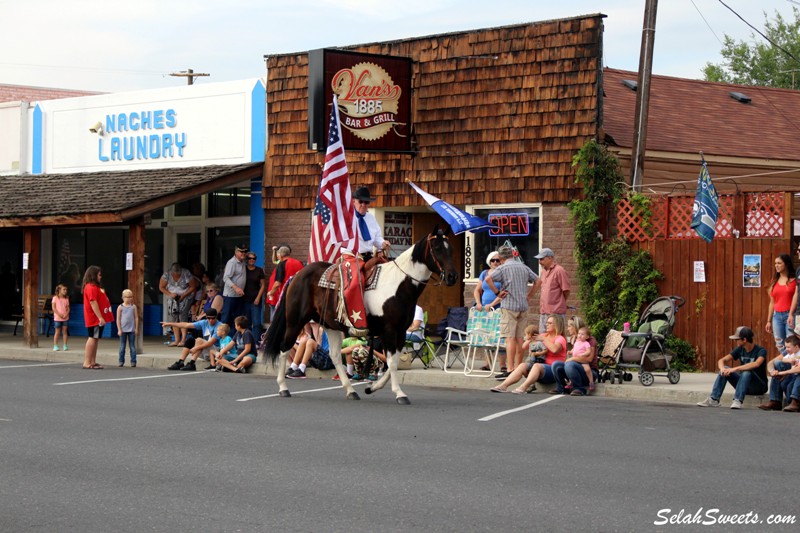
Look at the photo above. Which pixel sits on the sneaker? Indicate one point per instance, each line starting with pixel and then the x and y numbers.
pixel 211 367
pixel 591 387
pixel 241 370
pixel 290 372
pixel 576 392
pixel 568 387
pixel 218 368
pixel 190 366
pixel 296 374
pixel 65 348
pixel 356 377
pixel 372 377
pixel 709 402
pixel 337 378
pixel 736 404
pixel 531 389
pixel 177 365
pixel 55 348
pixel 121 365
pixel 133 365
pixel 502 375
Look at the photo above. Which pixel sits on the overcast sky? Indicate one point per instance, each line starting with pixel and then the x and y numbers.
pixel 107 45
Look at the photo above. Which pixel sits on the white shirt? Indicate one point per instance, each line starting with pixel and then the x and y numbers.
pixel 374 232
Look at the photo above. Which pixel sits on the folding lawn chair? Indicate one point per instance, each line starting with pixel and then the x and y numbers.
pixel 482 335
pixel 423 349
pixel 457 319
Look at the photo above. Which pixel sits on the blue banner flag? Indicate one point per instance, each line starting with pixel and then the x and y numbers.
pixel 706 207
pixel 459 220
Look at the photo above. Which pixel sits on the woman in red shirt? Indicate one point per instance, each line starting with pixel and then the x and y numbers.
pixel 781 291
pixel 96 312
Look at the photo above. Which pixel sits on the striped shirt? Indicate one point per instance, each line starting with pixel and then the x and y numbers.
pixel 514 276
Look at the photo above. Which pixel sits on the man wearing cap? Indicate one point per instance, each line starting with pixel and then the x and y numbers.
pixel 369 232
pixel 554 286
pixel 234 278
pixel 196 347
pixel 514 276
pixel 750 377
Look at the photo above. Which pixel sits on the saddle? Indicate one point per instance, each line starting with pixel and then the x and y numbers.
pixel 347 279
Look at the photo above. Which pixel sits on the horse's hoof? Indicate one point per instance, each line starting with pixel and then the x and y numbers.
pixel 403 400
pixel 285 394
pixel 353 396
pixel 368 390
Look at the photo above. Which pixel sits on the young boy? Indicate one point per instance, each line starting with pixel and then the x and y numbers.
pixel 243 348
pixel 127 326
pixel 226 346
pixel 536 349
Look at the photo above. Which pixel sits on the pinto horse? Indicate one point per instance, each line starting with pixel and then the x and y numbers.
pixel 390 308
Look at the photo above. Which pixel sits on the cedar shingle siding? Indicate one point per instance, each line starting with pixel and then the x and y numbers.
pixel 498 115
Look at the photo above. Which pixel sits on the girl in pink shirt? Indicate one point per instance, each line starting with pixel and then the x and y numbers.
pixel 60 305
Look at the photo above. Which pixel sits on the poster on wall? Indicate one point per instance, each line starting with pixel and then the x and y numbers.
pixel 751 272
pixel 397 230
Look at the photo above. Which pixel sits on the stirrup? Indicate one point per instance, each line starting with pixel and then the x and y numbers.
pixel 357 332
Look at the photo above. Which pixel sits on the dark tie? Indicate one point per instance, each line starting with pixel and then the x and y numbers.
pixel 362 227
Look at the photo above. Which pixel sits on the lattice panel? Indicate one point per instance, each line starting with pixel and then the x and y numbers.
pixel 672 219
pixel 764 215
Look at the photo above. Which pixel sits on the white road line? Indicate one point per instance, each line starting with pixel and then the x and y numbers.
pixel 172 374
pixel 300 392
pixel 41 364
pixel 510 411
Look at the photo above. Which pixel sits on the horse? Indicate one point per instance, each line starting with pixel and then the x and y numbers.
pixel 389 306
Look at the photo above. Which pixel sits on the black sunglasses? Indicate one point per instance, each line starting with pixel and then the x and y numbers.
pixel 494 261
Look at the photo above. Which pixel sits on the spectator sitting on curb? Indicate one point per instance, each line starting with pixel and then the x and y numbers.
pixel 196 347
pixel 225 347
pixel 244 352
pixel 784 380
pixel 750 377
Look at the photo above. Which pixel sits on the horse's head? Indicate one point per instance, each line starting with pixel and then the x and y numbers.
pixel 439 256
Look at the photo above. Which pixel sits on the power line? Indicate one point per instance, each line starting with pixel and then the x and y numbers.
pixel 773 43
pixel 707 24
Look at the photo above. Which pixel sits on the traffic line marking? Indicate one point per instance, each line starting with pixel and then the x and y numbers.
pixel 517 409
pixel 37 364
pixel 300 392
pixel 170 375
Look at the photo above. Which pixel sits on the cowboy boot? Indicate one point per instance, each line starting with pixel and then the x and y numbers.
pixel 771 405
pixel 793 407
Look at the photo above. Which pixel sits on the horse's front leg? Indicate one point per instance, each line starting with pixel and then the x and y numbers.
pixel 335 339
pixel 283 389
pixel 391 374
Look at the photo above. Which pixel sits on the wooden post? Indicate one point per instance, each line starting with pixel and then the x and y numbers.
pixel 643 95
pixel 136 275
pixel 32 241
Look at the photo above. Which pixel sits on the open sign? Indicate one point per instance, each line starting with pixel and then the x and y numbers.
pixel 509 224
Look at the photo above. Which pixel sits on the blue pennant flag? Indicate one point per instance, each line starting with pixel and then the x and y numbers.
pixel 459 220
pixel 706 207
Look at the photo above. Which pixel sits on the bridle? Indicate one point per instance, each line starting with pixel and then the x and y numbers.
pixel 428 252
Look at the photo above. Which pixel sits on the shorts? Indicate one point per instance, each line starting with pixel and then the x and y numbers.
pixel 229 357
pixel 58 324
pixel 179 310
pixel 95 332
pixel 547 376
pixel 512 323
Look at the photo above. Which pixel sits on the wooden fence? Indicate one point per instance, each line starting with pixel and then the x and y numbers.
pixel 754 224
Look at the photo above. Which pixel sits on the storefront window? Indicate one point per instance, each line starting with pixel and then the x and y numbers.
pixel 10 273
pixel 221 243
pixel 233 202
pixel 190 208
pixel 517 225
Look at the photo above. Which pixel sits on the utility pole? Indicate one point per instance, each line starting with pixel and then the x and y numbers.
pixel 643 94
pixel 189 74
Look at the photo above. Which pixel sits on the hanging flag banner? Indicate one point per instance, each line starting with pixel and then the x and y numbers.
pixel 706 206
pixel 459 220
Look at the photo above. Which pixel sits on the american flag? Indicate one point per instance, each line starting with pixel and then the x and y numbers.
pixel 332 224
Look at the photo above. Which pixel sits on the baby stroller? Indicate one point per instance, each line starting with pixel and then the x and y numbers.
pixel 645 349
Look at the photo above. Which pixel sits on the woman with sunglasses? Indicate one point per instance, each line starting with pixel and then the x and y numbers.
pixel 485 297
pixel 214 300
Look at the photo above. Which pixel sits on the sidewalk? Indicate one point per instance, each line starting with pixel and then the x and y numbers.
pixel 692 388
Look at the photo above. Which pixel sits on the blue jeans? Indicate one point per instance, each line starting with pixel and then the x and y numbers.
pixel 130 338
pixel 234 306
pixel 788 386
pixel 572 371
pixel 781 330
pixel 256 317
pixel 746 382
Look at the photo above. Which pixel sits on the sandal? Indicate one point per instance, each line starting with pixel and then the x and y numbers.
pixel 96 367
pixel 497 389
pixel 518 391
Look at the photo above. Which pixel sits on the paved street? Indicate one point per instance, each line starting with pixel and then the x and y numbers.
pixel 145 449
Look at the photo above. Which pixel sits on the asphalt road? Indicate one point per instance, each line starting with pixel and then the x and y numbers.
pixel 175 451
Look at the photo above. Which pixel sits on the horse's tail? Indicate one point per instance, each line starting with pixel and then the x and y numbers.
pixel 276 332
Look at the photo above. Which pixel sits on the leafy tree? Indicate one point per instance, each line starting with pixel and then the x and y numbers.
pixel 760 62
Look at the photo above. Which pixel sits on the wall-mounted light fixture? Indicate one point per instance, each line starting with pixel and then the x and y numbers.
pixel 97 128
